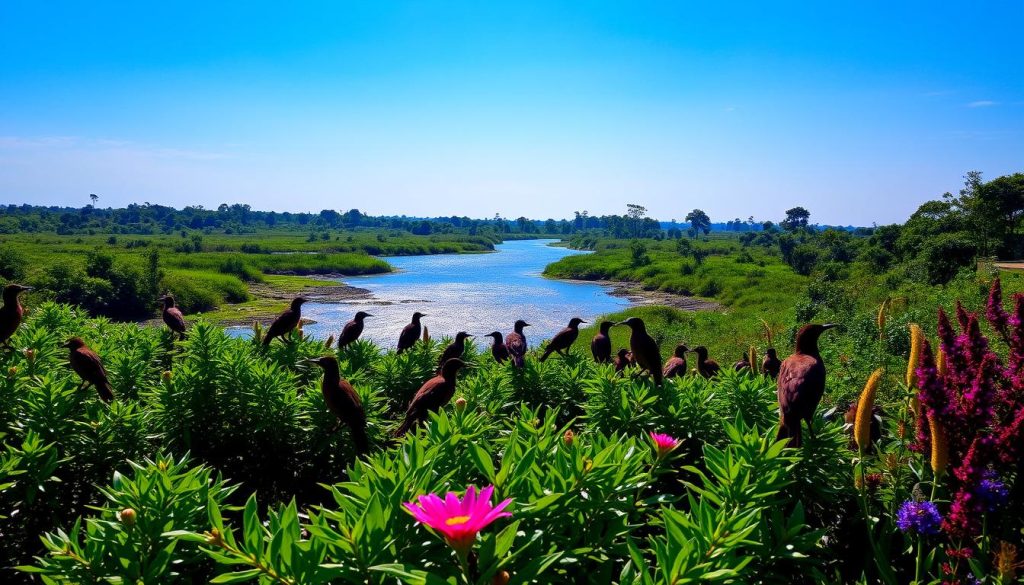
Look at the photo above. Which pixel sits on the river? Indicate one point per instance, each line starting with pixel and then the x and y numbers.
pixel 478 293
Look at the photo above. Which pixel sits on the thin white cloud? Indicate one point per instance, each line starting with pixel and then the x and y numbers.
pixel 37 143
pixel 982 104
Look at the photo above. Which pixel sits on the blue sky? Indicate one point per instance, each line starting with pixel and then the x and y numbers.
pixel 858 111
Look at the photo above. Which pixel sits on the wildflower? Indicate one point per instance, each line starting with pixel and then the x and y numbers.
pixel 940 363
pixel 460 404
pixel 755 364
pixel 880 321
pixel 568 438
pixel 1006 562
pixel 959 553
pixel 916 341
pixel 166 376
pixel 865 407
pixel 457 520
pixel 214 537
pixel 12 372
pixel 664 444
pixel 919 517
pixel 992 492
pixel 994 310
pixel 940 448
pixel 127 517
pixel 872 481
pixel 30 355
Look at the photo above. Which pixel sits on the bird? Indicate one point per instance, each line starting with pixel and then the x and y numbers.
pixel 352 330
pixel 771 363
pixel 410 333
pixel 432 396
pixel 744 362
pixel 498 350
pixel 454 350
pixel 173 318
pixel 564 339
pixel 676 365
pixel 644 349
pixel 12 312
pixel 623 359
pixel 89 368
pixel 801 384
pixel 286 321
pixel 343 402
pixel 705 367
pixel 516 343
pixel 601 344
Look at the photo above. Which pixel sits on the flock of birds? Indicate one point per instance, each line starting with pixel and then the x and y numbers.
pixel 800 377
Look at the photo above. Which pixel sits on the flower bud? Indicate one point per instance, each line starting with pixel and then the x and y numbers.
pixel 166 376
pixel 588 465
pixel 568 438
pixel 127 517
pixel 12 372
pixel 30 355
pixel 214 537
pixel 460 404
pixel 501 578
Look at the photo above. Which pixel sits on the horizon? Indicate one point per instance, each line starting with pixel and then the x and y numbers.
pixel 538 110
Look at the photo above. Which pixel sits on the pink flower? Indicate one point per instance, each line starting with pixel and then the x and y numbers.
pixel 458 520
pixel 664 443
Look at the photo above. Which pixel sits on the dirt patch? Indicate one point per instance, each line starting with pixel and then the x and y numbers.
pixel 637 295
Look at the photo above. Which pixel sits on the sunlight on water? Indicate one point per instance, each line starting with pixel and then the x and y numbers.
pixel 478 293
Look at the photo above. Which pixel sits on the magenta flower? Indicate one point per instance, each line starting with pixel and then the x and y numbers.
pixel 457 520
pixel 664 444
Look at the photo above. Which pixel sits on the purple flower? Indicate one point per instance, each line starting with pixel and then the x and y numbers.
pixel 992 492
pixel 919 517
pixel 994 310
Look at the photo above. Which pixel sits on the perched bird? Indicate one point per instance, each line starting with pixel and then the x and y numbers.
pixel 623 359
pixel 644 349
pixel 770 364
pixel 676 365
pixel 601 344
pixel 801 384
pixel 744 362
pixel 173 318
pixel 705 367
pixel 343 402
pixel 12 312
pixel 353 329
pixel 286 321
pixel 454 349
pixel 89 368
pixel 498 350
pixel 432 396
pixel 564 339
pixel 410 333
pixel 516 344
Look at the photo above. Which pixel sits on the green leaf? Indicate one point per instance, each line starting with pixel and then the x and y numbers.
pixel 236 577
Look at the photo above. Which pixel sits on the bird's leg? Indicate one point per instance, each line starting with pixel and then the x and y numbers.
pixel 810 429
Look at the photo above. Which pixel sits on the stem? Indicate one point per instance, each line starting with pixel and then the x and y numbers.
pixel 920 545
pixel 883 569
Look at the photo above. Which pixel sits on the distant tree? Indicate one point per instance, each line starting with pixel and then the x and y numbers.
pixel 94 197
pixel 638 252
pixel 796 218
pixel 699 222
pixel 636 213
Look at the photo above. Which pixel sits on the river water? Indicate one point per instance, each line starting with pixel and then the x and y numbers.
pixel 478 293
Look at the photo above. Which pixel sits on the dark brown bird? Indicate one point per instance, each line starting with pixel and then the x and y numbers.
pixel 601 344
pixel 89 368
pixel 676 365
pixel 352 330
pixel 876 425
pixel 770 364
pixel 644 349
pixel 744 362
pixel 410 333
pixel 564 339
pixel 343 402
pixel 498 350
pixel 286 321
pixel 623 359
pixel 516 344
pixel 173 318
pixel 801 384
pixel 454 350
pixel 12 312
pixel 433 395
pixel 705 367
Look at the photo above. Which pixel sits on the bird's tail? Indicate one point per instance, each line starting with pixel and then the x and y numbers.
pixel 547 352
pixel 266 340
pixel 105 391
pixel 794 433
pixel 406 425
pixel 657 375
pixel 518 360
pixel 360 439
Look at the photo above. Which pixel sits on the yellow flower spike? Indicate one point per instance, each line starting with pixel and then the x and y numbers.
pixel 880 321
pixel 916 342
pixel 940 363
pixel 865 406
pixel 752 358
pixel 940 447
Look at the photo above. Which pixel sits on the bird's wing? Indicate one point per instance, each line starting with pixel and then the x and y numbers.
pixel 174 316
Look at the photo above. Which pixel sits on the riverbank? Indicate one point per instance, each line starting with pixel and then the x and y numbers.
pixel 636 294
pixel 270 297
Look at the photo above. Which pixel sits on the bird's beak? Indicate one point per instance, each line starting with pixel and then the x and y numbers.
pixel 829 326
pixel 369 315
pixel 582 321
pixel 468 335
pixel 527 325
pixel 27 288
